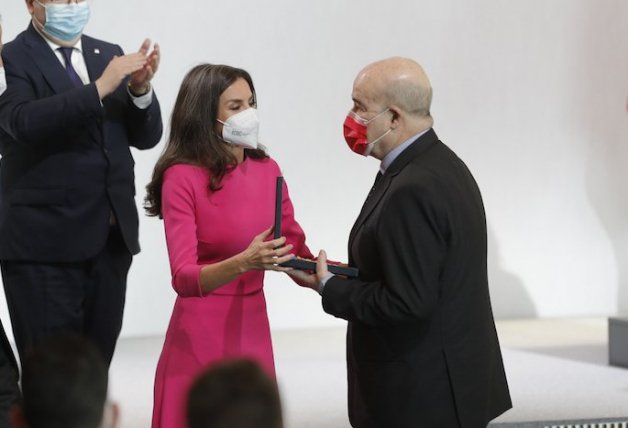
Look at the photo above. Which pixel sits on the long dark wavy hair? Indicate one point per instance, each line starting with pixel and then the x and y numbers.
pixel 193 139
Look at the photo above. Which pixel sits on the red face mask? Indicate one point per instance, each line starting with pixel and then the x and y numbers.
pixel 355 133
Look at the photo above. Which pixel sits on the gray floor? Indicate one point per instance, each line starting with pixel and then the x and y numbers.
pixel 557 370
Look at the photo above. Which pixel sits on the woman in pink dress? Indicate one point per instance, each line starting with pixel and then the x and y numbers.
pixel 215 190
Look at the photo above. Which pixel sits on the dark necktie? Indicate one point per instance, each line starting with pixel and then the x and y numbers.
pixel 69 69
pixel 377 178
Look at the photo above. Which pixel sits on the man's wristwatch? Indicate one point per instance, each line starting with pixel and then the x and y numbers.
pixel 136 94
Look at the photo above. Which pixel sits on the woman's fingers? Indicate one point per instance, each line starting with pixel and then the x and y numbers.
pixel 278 252
pixel 265 234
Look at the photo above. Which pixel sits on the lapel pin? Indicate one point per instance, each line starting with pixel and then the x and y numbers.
pixel 97 51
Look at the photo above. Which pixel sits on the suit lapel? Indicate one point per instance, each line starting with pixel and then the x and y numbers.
pixel 95 62
pixel 419 146
pixel 371 202
pixel 47 61
pixel 53 70
pixel 94 58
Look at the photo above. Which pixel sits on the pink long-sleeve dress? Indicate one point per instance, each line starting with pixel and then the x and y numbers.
pixel 203 228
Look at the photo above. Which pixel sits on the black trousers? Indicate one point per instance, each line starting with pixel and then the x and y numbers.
pixel 9 391
pixel 86 297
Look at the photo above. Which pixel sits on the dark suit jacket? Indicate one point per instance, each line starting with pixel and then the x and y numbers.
pixel 9 391
pixel 66 159
pixel 422 350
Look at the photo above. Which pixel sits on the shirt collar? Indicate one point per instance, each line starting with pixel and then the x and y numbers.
pixel 394 153
pixel 78 46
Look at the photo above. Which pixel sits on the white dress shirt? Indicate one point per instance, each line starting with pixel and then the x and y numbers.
pixel 3 81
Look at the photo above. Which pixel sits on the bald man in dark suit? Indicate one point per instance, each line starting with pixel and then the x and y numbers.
pixel 422 350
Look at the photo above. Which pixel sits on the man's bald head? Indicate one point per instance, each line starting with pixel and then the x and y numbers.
pixel 398 81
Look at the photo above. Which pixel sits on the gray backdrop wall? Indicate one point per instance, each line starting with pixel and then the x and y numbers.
pixel 531 94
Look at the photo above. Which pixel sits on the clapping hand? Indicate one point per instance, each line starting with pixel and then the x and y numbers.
pixel 117 70
pixel 141 66
pixel 140 79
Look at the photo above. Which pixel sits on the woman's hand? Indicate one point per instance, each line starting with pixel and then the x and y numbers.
pixel 266 255
pixel 260 255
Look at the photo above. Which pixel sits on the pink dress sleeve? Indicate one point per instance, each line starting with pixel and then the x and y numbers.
pixel 178 210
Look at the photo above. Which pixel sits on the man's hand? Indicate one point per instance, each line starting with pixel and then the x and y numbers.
pixel 140 79
pixel 117 70
pixel 321 265
pixel 311 280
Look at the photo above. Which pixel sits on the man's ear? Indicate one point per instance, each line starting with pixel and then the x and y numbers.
pixel 395 116
pixel 16 416
pixel 29 6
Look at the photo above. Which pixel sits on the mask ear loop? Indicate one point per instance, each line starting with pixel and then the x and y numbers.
pixel 385 133
pixel 377 115
pixel 33 14
pixel 377 140
pixel 220 136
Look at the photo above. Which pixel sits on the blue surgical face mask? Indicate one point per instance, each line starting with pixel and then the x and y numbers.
pixel 66 21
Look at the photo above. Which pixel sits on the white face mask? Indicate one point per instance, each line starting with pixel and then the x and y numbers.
pixel 241 129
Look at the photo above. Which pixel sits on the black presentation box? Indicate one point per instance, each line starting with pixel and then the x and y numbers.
pixel 304 264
